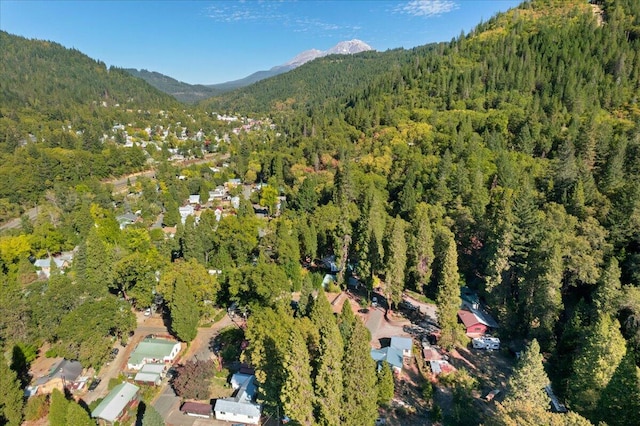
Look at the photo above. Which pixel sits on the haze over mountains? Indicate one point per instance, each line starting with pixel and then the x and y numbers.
pixel 191 93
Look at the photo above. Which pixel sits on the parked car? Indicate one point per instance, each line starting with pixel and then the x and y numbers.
pixel 94 384
pixel 147 312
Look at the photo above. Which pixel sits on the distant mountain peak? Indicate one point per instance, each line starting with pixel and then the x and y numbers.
pixel 349 47
pixel 301 58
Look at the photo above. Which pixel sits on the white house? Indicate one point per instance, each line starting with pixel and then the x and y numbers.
pixel 240 408
pixel 186 211
pixel 153 351
pixel 218 193
pixel 194 199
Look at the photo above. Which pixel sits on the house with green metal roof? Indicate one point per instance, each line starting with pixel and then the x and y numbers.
pixel 114 406
pixel 152 350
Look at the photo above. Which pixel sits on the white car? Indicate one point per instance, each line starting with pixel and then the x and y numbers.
pixel 147 312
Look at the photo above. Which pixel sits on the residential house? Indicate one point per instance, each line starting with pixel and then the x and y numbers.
pixel 476 322
pixel 238 379
pixel 126 219
pixel 114 406
pixel 232 183
pixel 62 374
pixel 62 261
pixel 390 355
pixel 556 405
pixel 402 344
pixel 152 350
pixel 194 199
pixel 217 194
pixel 186 211
pixel 241 407
pixel 430 353
pixel 151 373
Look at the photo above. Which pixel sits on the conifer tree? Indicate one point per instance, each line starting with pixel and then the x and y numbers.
pixel 528 380
pixel 151 417
pixel 58 409
pixel 304 304
pixel 288 251
pixel 385 384
pixel 98 272
pixel 184 312
pixel 368 244
pixel 448 296
pixel 346 322
pixel 595 366
pixel 622 394
pixel 11 396
pixel 420 251
pixel 191 242
pixel 360 392
pixel 328 381
pixel 78 416
pixel 297 390
pixel 609 289
pixel 396 260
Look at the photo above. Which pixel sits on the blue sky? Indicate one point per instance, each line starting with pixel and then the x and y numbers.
pixel 216 41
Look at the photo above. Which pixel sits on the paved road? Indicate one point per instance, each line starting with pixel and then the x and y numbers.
pixel 145 327
pixel 167 402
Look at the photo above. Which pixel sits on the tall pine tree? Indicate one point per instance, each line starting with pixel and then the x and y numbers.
pixel 297 390
pixel 395 260
pixel 448 296
pixel 328 369
pixel 184 312
pixel 595 366
pixel 360 393
pixel 529 379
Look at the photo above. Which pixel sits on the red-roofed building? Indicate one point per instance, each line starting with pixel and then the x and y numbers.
pixel 474 323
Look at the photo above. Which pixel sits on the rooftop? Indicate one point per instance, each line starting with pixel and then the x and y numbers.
pixel 391 355
pixel 152 349
pixel 402 343
pixel 112 405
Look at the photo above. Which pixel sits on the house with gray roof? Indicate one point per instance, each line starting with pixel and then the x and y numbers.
pixel 62 374
pixel 390 355
pixel 402 344
pixel 114 406
pixel 61 261
pixel 151 374
pixel 241 407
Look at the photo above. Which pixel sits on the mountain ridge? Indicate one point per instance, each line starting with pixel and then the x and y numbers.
pixel 191 93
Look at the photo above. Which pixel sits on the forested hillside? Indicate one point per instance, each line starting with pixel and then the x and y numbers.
pixel 316 84
pixel 506 161
pixel 58 109
pixel 184 92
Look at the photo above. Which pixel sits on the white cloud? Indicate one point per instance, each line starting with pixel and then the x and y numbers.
pixel 427 7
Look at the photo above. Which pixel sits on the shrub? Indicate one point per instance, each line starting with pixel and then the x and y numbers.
pixel 37 407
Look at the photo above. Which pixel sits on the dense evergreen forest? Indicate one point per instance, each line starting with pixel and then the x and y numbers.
pixel 506 160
